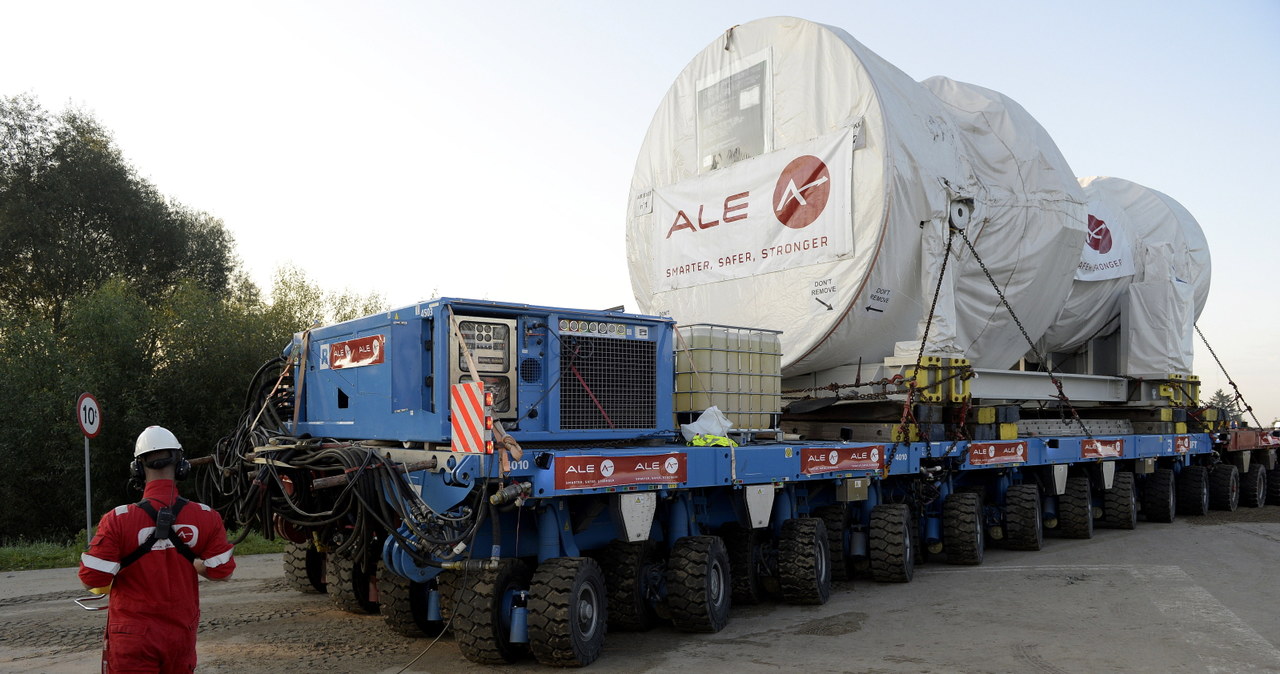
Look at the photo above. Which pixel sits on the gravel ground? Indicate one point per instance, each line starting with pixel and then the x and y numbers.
pixel 1192 596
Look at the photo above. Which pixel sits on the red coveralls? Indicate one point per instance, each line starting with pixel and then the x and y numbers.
pixel 155 602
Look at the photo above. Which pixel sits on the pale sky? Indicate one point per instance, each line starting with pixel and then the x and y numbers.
pixel 486 149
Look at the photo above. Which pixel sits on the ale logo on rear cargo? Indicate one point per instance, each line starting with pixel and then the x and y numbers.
pixel 802 191
pixel 1099 235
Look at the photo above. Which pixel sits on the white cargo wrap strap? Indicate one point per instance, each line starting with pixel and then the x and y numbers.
pixel 777 211
pixel 468 415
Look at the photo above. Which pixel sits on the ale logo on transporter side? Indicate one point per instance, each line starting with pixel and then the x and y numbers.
pixel 1099 235
pixel 802 191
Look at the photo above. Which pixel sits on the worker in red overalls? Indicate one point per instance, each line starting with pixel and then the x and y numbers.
pixel 147 556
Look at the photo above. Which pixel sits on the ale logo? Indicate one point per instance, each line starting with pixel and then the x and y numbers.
pixel 672 465
pixel 801 192
pixel 606 467
pixel 1099 236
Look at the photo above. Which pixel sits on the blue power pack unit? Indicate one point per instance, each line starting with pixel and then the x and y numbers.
pixel 555 374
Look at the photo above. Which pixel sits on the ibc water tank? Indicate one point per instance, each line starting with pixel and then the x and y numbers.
pixel 793 180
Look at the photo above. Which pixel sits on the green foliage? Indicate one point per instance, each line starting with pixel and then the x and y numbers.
pixel 24 555
pixel 73 214
pixel 108 288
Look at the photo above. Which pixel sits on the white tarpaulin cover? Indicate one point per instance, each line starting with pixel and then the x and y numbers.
pixel 731 172
pixel 1145 255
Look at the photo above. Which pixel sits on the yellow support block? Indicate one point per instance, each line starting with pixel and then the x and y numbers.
pixel 912 434
pixel 1008 431
pixel 985 415
pixel 959 385
pixel 1210 414
pixel 1178 383
pixel 1180 428
pixel 1166 414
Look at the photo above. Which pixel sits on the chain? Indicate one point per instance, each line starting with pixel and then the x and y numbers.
pixel 1057 383
pixel 1239 401
pixel 908 414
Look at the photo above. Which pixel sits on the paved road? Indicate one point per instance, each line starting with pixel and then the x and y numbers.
pixel 1193 596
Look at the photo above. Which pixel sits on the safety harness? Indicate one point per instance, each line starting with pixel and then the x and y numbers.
pixel 164 519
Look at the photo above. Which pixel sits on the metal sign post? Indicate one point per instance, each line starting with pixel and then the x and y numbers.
pixel 89 416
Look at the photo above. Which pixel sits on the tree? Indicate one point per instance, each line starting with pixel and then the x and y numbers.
pixel 1221 400
pixel 74 213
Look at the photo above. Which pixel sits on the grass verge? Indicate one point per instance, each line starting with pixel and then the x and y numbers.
pixel 25 555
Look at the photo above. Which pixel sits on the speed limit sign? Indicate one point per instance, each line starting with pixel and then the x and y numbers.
pixel 89 415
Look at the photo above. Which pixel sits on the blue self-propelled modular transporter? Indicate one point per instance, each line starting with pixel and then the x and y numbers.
pixel 561 498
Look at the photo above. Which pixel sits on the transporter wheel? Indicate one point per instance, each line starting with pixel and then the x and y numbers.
pixel 482 612
pixel 403 605
pixel 1273 487
pixel 836 519
pixel 1159 496
pixel 447 586
pixel 892 550
pixel 304 567
pixel 352 585
pixel 699 584
pixel 1224 487
pixel 1253 488
pixel 1023 519
pixel 1075 509
pixel 1120 503
pixel 1193 491
pixel 628 579
pixel 568 612
pixel 804 561
pixel 963 535
pixel 744 549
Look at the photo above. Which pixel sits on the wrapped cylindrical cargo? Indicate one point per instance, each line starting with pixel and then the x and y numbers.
pixel 1137 235
pixel 793 180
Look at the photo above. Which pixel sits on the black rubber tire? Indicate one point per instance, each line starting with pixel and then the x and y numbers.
pixel 447 586
pixel 481 618
pixel 1075 509
pixel 626 569
pixel 836 519
pixel 804 561
pixel 1273 487
pixel 351 585
pixel 1253 488
pixel 891 548
pixel 1224 487
pixel 568 612
pixel 1023 518
pixel 304 568
pixel 963 533
pixel 1120 502
pixel 403 605
pixel 1193 491
pixel 1160 496
pixel 699 584
pixel 743 547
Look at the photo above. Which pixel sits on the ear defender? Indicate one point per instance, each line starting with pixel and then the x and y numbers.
pixel 183 469
pixel 135 470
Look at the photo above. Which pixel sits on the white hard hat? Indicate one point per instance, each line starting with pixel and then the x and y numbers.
pixel 154 439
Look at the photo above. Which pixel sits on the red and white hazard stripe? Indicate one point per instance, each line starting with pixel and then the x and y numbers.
pixel 470 419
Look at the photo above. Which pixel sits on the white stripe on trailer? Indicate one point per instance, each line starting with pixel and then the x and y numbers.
pixel 467 418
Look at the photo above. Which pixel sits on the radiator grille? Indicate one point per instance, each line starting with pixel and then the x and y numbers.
pixel 607 383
